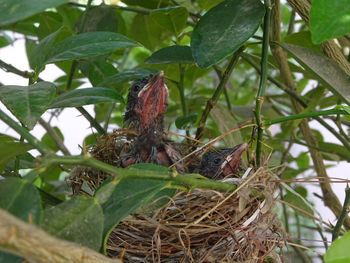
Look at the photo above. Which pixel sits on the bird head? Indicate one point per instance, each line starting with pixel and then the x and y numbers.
pixel 222 163
pixel 146 102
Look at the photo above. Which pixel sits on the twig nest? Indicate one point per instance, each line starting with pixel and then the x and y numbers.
pixel 205 226
pixel 85 180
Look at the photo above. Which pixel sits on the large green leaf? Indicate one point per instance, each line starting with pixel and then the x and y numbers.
pixel 172 54
pixel 329 19
pixel 323 69
pixel 119 198
pixel 28 103
pixel 14 10
pixel 338 252
pixel 79 220
pixel 21 199
pixel 184 122
pixel 223 29
pixel 88 44
pixel 39 53
pixel 172 18
pixel 80 97
pixel 10 150
pixel 146 31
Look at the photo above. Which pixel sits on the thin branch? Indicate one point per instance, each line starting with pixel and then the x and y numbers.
pixel 9 68
pixel 227 98
pixel 16 235
pixel 342 215
pixel 54 136
pixel 304 116
pixel 180 86
pixel 291 22
pixel 195 180
pixel 213 100
pixel 263 78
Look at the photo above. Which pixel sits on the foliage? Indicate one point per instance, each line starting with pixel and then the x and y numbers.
pixel 197 44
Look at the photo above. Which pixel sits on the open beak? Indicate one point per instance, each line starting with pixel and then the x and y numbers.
pixel 232 160
pixel 152 100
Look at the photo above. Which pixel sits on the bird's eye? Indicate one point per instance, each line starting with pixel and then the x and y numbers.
pixel 136 88
pixel 217 160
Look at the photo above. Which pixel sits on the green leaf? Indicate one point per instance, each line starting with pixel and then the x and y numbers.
pixel 184 122
pixel 5 40
pixel 172 18
pixel 146 31
pixel 88 44
pixel 99 18
pixel 48 141
pixel 338 252
pixel 127 75
pixel 96 70
pixel 122 197
pixel 323 69
pixel 172 54
pixel 81 97
pixel 21 199
pixel 329 19
pixel 224 29
pixel 10 150
pixel 208 4
pixel 38 56
pixel 6 257
pixel 14 10
pixel 28 103
pixel 79 220
pixel 303 39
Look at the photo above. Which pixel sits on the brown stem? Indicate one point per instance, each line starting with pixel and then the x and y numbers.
pixel 35 245
pixel 330 199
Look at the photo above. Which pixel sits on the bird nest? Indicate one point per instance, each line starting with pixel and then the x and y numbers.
pixel 197 226
pixel 205 226
pixel 84 180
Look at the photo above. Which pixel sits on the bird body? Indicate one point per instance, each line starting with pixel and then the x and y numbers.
pixel 145 107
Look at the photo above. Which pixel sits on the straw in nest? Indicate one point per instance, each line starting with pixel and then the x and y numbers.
pixel 204 226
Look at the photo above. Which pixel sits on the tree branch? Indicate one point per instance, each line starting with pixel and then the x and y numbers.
pixel 120 173
pixel 263 79
pixel 35 245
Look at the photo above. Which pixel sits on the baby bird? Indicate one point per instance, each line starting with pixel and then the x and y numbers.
pixel 223 163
